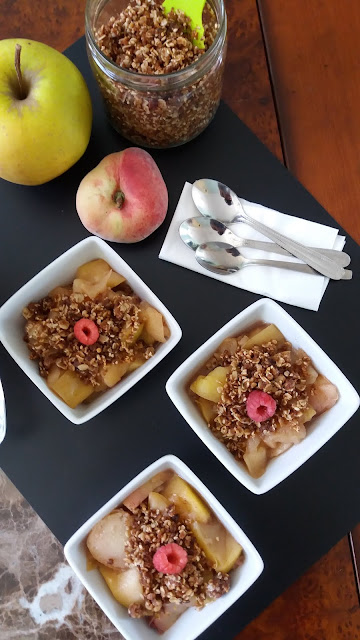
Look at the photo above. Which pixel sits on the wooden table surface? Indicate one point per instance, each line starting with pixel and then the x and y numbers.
pixel 292 76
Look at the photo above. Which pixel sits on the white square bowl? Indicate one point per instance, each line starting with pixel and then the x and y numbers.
pixel 322 427
pixel 61 271
pixel 193 622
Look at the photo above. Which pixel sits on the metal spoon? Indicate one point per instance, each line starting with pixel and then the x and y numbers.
pixel 2 414
pixel 195 231
pixel 222 258
pixel 214 199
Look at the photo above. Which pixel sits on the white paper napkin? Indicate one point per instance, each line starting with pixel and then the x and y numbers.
pixel 299 289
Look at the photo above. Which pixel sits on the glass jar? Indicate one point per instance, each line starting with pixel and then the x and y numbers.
pixel 158 111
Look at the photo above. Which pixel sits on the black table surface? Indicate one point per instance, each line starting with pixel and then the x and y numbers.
pixel 67 472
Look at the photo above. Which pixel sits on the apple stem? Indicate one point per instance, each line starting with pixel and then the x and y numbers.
pixel 22 92
pixel 119 198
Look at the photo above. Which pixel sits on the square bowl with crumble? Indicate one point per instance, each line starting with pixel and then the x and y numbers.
pixel 262 395
pixel 163 556
pixel 86 329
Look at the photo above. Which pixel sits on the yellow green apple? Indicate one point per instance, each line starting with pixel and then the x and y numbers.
pixel 124 198
pixel 45 112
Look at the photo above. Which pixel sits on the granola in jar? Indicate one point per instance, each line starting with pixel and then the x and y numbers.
pixel 159 88
pixel 258 395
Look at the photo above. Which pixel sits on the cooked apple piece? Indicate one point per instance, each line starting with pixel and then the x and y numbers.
pixel 187 502
pixel 265 335
pixel 61 291
pixel 166 329
pixel 95 270
pixel 91 289
pixel 71 389
pixel 168 616
pixel 311 375
pixel 324 394
pixel 254 331
pixel 135 364
pixel 207 408
pixel 106 540
pixel 308 414
pixel 255 457
pixel 114 372
pixel 124 585
pixel 157 501
pixel 210 386
pixel 54 374
pixel 284 437
pixel 217 543
pixel 139 495
pixel 153 322
pixel 229 344
pixel 131 335
pixel 91 563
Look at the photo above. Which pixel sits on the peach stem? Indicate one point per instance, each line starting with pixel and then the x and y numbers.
pixel 119 198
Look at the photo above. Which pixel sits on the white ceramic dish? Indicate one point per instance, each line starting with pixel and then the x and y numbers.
pixel 193 622
pixel 61 271
pixel 322 428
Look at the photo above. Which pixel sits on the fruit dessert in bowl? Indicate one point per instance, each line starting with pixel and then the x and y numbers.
pixel 265 396
pixel 163 556
pixel 86 329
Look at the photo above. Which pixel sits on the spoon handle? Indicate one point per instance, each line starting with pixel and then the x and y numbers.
pixel 292 266
pixel 321 263
pixel 340 257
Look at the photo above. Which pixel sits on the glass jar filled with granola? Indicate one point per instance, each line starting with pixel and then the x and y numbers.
pixel 160 89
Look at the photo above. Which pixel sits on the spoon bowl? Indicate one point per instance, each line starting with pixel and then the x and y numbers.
pixel 195 231
pixel 215 200
pixel 223 258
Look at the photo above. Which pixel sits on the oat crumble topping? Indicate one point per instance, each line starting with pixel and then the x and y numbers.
pixel 269 368
pixel 50 337
pixel 196 583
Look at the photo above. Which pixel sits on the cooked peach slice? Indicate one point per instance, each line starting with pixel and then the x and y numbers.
pixel 168 616
pixel 207 408
pixel 270 332
pixel 114 372
pixel 324 394
pixel 95 270
pixel 187 502
pixel 106 540
pixel 139 495
pixel 157 501
pixel 124 585
pixel 217 543
pixel 153 323
pixel 70 388
pixel 210 386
